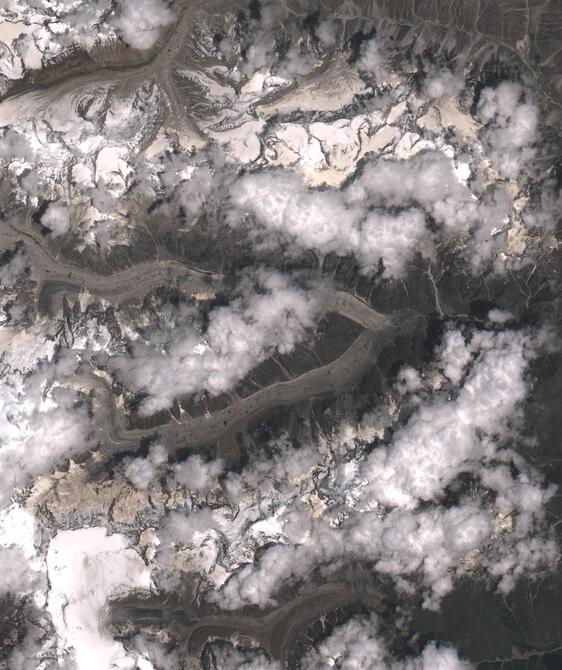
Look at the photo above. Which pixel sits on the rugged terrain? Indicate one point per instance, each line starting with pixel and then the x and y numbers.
pixel 280 334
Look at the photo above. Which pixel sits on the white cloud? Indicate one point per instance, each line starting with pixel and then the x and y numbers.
pixel 512 120
pixel 372 60
pixel 13 270
pixel 57 218
pixel 454 355
pixel 154 656
pixel 296 63
pixel 335 503
pixel 408 380
pixel 446 437
pixel 380 215
pixel 327 33
pixel 272 13
pixel 545 215
pixel 355 645
pixel 281 203
pixel 141 472
pixel 140 22
pixel 358 644
pixel 286 464
pixel 188 529
pixel 43 29
pixel 322 220
pixel 261 53
pixel 193 193
pixel 279 564
pixel 14 146
pixel 43 422
pixel 437 658
pixel 427 180
pixel 500 316
pixel 45 408
pixel 428 544
pixel 227 656
pixel 271 314
pixel 318 505
pixel 197 474
pixel 391 238
pixel 441 82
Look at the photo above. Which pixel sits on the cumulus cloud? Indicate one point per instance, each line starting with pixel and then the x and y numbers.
pixel 427 175
pixel 45 414
pixel 440 82
pixel 273 481
pixel 336 502
pixel 428 545
pixel 271 313
pixel 381 215
pixel 141 472
pixel 322 220
pixel 227 656
pixel 12 270
pixel 155 656
pixel 56 218
pixel 500 316
pixel 391 238
pixel 327 32
pixel 345 498
pixel 372 60
pixel 358 644
pixel 286 464
pixel 296 63
pixel 14 146
pixel 545 214
pixel 420 177
pixel 354 645
pixel 140 22
pixel 194 192
pixel 43 422
pixel 259 54
pixel 188 529
pixel 196 474
pixel 426 180
pixel 512 123
pixel 52 26
pixel 79 14
pixel 408 380
pixel 446 437
pixel 420 547
pixel 191 183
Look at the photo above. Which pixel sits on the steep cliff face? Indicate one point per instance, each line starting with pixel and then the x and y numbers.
pixel 279 332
